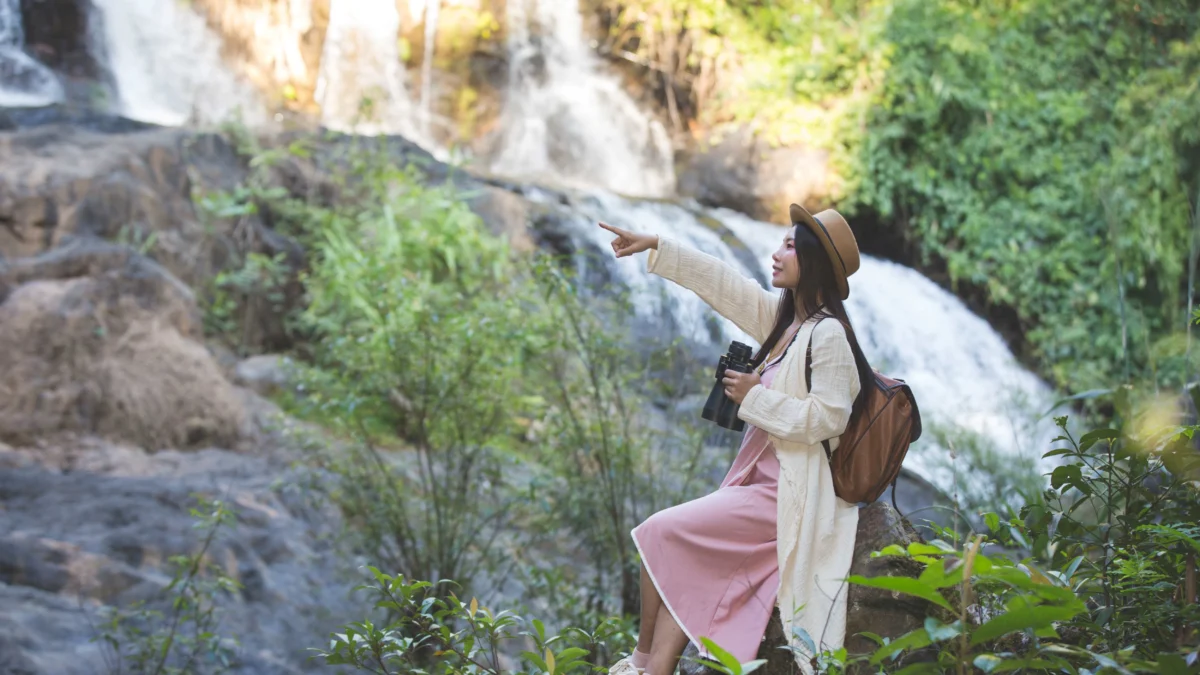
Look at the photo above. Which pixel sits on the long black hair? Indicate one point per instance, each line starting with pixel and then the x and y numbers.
pixel 816 295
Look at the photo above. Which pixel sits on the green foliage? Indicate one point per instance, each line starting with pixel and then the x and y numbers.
pixel 1045 152
pixel 1112 549
pixel 1041 153
pixel 436 633
pixel 236 297
pixel 420 331
pixel 184 639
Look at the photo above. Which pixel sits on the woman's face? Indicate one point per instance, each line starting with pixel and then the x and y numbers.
pixel 785 270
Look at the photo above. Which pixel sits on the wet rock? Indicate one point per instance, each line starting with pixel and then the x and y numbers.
pixel 265 374
pixel 742 171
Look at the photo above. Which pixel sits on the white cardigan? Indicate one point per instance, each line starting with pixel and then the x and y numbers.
pixel 815 528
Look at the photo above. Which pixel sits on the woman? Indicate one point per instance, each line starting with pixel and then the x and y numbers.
pixel 774 533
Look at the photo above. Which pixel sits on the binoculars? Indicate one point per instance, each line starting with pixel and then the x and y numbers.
pixel 718 408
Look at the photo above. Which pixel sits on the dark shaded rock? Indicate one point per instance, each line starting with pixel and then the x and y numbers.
pixel 743 172
pixel 56 33
pixel 109 543
pixel 872 610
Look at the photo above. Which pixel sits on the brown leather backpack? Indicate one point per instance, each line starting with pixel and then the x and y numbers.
pixel 874 444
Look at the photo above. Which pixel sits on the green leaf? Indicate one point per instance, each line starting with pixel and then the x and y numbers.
pixel 1172 664
pixel 1020 619
pixel 914 640
pixel 535 659
pixel 1096 435
pixel 1066 475
pixel 939 631
pixel 905 585
pixel 992 521
pixel 987 662
pixel 934 575
pixel 751 666
pixel 727 659
pixel 917 668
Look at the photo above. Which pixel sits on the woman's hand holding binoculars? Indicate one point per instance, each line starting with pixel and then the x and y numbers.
pixel 627 243
pixel 737 385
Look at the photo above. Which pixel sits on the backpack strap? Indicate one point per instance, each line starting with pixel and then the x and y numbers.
pixel 808 383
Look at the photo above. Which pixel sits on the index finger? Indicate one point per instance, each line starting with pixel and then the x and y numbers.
pixel 615 230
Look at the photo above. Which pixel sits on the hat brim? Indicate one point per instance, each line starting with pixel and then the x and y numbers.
pixel 801 216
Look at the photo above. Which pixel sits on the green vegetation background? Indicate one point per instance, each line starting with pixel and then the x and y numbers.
pixel 1043 153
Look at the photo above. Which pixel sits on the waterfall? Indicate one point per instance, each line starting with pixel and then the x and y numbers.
pixel 565 122
pixel 361 86
pixel 431 23
pixel 23 81
pixel 167 65
pixel 975 398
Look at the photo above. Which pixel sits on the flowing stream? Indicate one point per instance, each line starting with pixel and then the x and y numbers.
pixel 23 81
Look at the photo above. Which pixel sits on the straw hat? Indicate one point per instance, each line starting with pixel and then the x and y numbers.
pixel 835 235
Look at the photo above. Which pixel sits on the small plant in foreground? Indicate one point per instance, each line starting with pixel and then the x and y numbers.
pixel 433 632
pixel 184 638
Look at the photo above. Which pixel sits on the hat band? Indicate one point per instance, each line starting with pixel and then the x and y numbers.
pixel 833 245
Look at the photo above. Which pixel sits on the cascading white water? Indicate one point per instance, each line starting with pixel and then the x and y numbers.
pixel 432 10
pixel 563 120
pixel 361 85
pixel 167 66
pixel 970 388
pixel 23 81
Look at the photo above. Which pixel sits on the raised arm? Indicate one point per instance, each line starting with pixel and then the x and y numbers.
pixel 825 412
pixel 734 296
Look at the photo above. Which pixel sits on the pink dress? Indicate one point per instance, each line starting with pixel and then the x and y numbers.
pixel 713 559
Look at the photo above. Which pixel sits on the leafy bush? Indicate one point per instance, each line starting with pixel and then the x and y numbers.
pixel 420 330
pixel 1109 581
pixel 1045 152
pixel 184 639
pixel 1040 155
pixel 437 633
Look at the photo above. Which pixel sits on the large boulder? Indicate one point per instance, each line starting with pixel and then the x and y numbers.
pixel 68 174
pixel 884 613
pixel 62 181
pixel 89 525
pixel 743 171
pixel 97 338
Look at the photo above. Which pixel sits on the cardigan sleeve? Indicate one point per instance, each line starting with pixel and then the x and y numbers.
pixel 825 412
pixel 734 296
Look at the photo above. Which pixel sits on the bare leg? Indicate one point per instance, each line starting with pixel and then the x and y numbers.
pixel 651 603
pixel 669 641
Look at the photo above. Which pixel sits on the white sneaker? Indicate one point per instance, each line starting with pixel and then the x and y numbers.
pixel 625 667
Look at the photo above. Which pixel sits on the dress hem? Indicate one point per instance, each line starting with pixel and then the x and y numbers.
pixel 658 587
